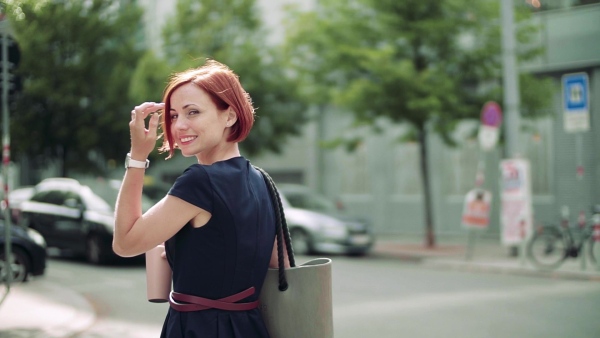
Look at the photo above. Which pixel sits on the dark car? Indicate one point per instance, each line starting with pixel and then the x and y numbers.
pixel 15 198
pixel 73 217
pixel 319 225
pixel 28 253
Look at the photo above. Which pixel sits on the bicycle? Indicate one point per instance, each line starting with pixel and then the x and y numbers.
pixel 551 245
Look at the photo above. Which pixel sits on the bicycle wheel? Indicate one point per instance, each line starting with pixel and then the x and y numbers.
pixel 547 249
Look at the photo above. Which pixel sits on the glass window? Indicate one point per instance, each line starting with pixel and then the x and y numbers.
pixel 537 147
pixel 40 197
pixel 55 197
pixel 354 171
pixel 93 201
pixel 406 171
pixel 460 167
pixel 310 201
pixel 459 164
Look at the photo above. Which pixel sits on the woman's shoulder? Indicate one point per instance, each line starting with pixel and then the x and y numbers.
pixel 231 164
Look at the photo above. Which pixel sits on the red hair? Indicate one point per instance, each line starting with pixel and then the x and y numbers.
pixel 225 90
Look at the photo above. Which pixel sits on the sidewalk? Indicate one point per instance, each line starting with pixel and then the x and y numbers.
pixel 41 309
pixel 482 254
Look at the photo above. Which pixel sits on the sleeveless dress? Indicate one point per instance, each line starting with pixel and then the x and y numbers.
pixel 229 254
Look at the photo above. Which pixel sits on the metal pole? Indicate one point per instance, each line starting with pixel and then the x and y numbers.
pixel 510 80
pixel 511 91
pixel 6 154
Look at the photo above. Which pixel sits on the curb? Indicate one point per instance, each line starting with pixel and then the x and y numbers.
pixel 512 270
pixel 448 260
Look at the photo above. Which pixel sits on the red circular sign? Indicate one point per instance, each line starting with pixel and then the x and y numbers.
pixel 491 114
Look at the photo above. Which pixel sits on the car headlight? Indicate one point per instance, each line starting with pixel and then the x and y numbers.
pixel 36 237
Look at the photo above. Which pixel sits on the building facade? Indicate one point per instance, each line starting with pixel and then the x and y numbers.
pixel 381 179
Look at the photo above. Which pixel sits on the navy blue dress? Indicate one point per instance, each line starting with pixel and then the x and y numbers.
pixel 227 255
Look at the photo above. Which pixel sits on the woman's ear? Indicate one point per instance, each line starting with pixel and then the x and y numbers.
pixel 231 117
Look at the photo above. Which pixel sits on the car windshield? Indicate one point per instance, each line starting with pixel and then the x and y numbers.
pixel 94 200
pixel 108 191
pixel 309 200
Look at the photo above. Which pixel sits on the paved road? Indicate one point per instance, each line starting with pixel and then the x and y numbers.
pixel 374 297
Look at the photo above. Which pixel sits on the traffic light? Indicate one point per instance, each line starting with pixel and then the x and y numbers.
pixel 13 81
pixel 8 63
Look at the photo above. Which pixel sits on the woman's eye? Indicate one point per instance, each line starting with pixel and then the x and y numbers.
pixel 193 112
pixel 173 116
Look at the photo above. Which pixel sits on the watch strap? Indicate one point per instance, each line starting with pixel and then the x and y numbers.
pixel 131 163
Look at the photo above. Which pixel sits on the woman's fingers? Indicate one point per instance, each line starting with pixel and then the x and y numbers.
pixel 139 113
pixel 153 126
pixel 142 139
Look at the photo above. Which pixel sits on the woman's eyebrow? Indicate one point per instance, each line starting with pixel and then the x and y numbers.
pixel 184 107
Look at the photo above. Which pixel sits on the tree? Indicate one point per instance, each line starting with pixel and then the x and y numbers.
pixel 425 63
pixel 230 31
pixel 77 61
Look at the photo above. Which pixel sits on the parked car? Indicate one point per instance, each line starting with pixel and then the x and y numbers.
pixel 15 198
pixel 28 253
pixel 319 225
pixel 73 217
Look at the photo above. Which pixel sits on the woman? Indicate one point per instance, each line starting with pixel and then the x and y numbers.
pixel 217 220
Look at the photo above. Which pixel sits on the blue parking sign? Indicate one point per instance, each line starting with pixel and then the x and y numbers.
pixel 576 102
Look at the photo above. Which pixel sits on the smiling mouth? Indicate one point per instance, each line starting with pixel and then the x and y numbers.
pixel 188 139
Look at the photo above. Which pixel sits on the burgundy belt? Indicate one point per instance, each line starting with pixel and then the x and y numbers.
pixel 196 303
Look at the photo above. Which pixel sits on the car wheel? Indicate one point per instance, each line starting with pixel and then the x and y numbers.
pixel 300 242
pixel 94 253
pixel 19 265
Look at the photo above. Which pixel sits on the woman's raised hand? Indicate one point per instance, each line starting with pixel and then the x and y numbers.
pixel 143 140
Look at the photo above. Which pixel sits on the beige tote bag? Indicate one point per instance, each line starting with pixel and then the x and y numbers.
pixel 304 310
pixel 295 302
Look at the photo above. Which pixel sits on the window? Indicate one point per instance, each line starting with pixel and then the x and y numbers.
pixel 55 197
pixel 406 173
pixel 354 171
pixel 459 164
pixel 536 144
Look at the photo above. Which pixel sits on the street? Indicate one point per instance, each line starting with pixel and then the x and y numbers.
pixel 373 297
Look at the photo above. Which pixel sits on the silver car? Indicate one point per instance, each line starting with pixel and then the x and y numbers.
pixel 319 225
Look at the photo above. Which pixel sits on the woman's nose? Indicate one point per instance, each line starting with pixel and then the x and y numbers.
pixel 180 124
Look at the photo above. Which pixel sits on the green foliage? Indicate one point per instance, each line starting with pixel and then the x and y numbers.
pixel 230 31
pixel 77 61
pixel 427 64
pixel 149 79
pixel 412 61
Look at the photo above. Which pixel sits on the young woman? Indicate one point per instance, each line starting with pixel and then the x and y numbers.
pixel 217 221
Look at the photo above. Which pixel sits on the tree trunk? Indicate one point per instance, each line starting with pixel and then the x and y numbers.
pixel 429 228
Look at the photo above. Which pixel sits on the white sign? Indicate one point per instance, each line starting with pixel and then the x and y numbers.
pixel 516 216
pixel 576 102
pixel 476 211
pixel 488 137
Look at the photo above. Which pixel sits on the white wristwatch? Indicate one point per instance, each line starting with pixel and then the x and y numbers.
pixel 129 163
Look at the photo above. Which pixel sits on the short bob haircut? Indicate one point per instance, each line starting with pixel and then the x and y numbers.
pixel 224 88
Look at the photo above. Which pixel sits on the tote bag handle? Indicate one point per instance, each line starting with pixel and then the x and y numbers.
pixel 282 231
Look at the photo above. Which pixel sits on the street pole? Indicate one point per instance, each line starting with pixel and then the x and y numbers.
pixel 4 31
pixel 510 80
pixel 511 89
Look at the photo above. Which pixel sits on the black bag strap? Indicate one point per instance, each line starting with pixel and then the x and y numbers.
pixel 282 231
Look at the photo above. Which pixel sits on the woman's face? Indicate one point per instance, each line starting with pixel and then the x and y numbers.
pixel 197 126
